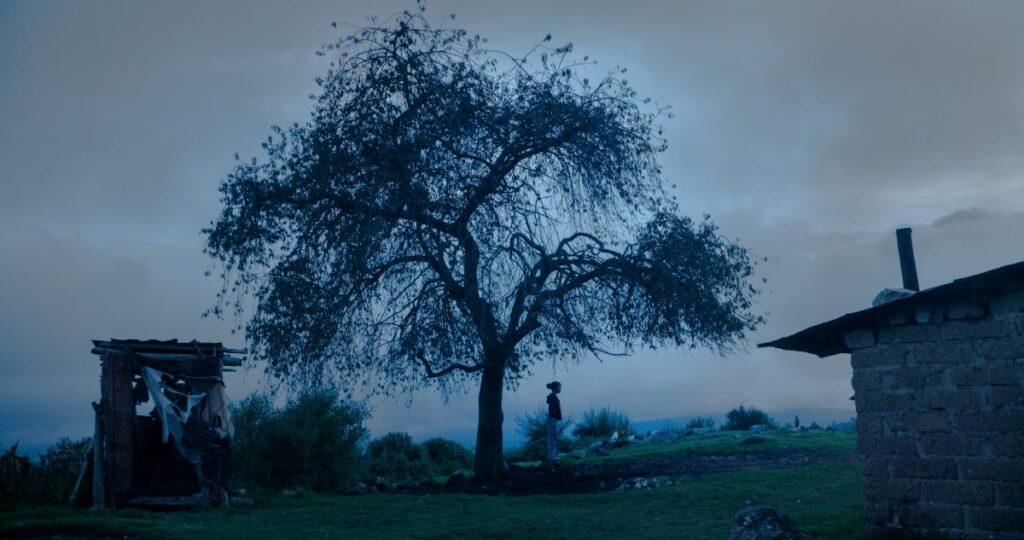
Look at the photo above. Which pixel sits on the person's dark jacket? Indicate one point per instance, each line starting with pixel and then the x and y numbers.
pixel 554 407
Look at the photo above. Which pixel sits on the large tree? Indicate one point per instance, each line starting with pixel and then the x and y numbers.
pixel 454 215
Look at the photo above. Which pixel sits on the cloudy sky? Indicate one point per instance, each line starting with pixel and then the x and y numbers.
pixel 808 130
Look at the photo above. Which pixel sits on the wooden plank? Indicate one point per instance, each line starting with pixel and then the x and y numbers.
pixel 99 497
pixel 119 412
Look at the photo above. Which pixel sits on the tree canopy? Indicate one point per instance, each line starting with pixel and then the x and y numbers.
pixel 450 210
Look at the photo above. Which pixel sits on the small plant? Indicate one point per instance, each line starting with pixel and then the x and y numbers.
pixel 701 422
pixel 447 456
pixel 602 423
pixel 534 429
pixel 741 419
pixel 397 458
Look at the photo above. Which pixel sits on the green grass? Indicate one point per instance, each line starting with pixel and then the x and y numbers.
pixel 728 442
pixel 824 501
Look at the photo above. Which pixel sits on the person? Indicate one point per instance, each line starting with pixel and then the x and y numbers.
pixel 554 416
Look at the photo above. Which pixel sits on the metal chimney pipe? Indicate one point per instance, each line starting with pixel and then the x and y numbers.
pixel 908 267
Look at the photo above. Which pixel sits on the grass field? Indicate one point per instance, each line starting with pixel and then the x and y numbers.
pixel 824 500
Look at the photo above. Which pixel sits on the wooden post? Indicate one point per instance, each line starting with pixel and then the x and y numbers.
pixel 99 496
pixel 119 418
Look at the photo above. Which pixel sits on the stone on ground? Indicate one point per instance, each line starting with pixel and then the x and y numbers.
pixel 763 523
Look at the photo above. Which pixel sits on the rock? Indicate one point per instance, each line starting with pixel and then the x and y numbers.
pixel 756 439
pixel 758 428
pixel 359 488
pixel 597 451
pixel 408 485
pixel 290 493
pixel 457 478
pixel 763 523
pixel 381 483
pixel 614 437
pixel 240 492
pixel 888 295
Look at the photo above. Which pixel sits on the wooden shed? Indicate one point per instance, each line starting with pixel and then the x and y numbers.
pixel 162 432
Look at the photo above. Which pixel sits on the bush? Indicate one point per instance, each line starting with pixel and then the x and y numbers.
pixel 701 422
pixel 395 457
pixel 50 481
pixel 534 428
pixel 313 442
pixel 741 419
pixel 600 424
pixel 447 456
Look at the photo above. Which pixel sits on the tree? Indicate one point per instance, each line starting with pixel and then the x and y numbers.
pixel 454 215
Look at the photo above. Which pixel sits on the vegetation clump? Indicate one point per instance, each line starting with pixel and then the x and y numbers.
pixel 534 428
pixel 701 422
pixel 742 419
pixel 48 481
pixel 396 458
pixel 312 442
pixel 601 423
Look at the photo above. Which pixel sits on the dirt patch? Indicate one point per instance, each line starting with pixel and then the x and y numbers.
pixel 610 475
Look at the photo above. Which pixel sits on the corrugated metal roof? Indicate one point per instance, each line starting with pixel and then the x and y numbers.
pixel 826 339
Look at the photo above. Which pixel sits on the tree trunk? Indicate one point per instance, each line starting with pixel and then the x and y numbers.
pixel 489 461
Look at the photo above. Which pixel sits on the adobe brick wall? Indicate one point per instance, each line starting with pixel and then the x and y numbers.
pixel 940 419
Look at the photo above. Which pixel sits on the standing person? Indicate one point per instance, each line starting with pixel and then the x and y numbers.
pixel 554 416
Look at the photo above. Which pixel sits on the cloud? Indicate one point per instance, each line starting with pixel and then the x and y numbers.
pixel 810 131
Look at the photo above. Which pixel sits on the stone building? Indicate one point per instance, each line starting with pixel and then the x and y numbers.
pixel 937 380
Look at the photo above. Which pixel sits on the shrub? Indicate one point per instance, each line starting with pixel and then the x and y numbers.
pixel 741 419
pixel 602 423
pixel 313 442
pixel 701 422
pixel 395 457
pixel 50 481
pixel 447 456
pixel 534 428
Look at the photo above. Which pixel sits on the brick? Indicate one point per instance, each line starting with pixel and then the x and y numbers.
pixel 1010 302
pixel 919 421
pixel 942 444
pixel 887 445
pixel 912 377
pixel 1001 349
pixel 899 317
pixel 1006 396
pixel 995 469
pixel 966 310
pixel 927 313
pixel 902 491
pixel 860 339
pixel 869 424
pixel 931 516
pixel 867 379
pixel 876 467
pixel 1009 445
pixel 941 399
pixel 944 353
pixel 953 491
pixel 879 513
pixel 909 334
pixel 1010 494
pixel 997 519
pixel 934 468
pixel 984 328
pixel 879 356
pixel 1006 372
pixel 883 402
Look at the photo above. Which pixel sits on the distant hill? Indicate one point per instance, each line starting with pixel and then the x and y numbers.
pixel 808 415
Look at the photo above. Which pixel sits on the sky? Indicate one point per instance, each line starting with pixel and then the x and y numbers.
pixel 809 131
